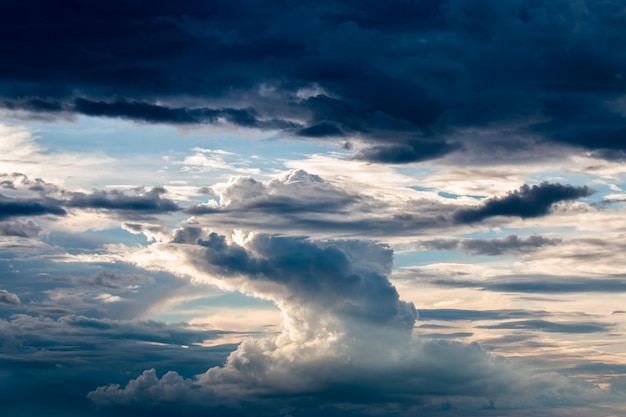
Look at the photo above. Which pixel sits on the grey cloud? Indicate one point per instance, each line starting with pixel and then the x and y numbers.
pixel 117 290
pixel 48 199
pixel 59 360
pixel 148 202
pixel 447 314
pixel 540 284
pixel 187 235
pixel 18 180
pixel 493 247
pixel 108 279
pixel 26 228
pixel 149 229
pixel 443 336
pixel 526 202
pixel 8 298
pixel 552 327
pixel 14 207
pixel 39 338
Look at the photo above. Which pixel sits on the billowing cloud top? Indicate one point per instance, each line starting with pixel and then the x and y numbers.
pixel 325 283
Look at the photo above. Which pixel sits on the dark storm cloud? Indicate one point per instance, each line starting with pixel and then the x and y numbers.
pixel 151 113
pixel 407 78
pixel 493 247
pixel 526 202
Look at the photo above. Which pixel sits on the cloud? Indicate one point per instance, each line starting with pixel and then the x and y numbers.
pixel 526 202
pixel 26 228
pixel 541 284
pixel 14 207
pixel 411 151
pixel 492 247
pixel 307 277
pixel 399 79
pixel 150 202
pixel 36 197
pixel 151 113
pixel 345 332
pixel 43 343
pixel 304 203
pixel 447 314
pixel 7 298
pixel 552 327
pixel 296 193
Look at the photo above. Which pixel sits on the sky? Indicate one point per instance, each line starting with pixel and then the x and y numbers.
pixel 303 208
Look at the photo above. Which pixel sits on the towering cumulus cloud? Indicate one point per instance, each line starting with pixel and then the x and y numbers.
pixel 345 334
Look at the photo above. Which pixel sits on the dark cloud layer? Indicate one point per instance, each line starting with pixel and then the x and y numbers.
pixel 13 207
pixel 541 284
pixel 552 327
pixel 26 228
pixel 147 202
pixel 408 78
pixel 493 247
pixel 526 202
pixel 48 199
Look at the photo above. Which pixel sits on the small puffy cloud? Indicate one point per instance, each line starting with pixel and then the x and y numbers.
pixel 8 298
pixel 526 202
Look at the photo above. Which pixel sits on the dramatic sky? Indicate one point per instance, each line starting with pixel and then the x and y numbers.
pixel 302 208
